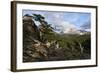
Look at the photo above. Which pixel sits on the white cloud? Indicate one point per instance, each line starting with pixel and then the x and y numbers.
pixel 67 27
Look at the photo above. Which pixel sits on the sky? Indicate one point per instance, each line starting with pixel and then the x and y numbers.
pixel 64 21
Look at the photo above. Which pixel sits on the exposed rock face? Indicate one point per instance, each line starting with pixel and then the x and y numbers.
pixel 31 36
pixel 30 29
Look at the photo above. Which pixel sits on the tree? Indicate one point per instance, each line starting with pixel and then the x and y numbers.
pixel 44 24
pixel 44 27
pixel 38 17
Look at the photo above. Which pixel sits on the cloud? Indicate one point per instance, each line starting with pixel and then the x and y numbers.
pixel 58 22
pixel 86 26
pixel 67 27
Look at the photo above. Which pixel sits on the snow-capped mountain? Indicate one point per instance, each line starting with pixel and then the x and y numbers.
pixel 60 30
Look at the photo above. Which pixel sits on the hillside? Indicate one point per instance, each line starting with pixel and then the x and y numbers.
pixel 42 43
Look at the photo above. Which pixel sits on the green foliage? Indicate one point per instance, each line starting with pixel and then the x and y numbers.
pixel 38 17
pixel 71 47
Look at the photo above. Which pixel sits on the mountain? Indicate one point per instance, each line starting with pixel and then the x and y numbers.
pixel 71 30
pixel 82 32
